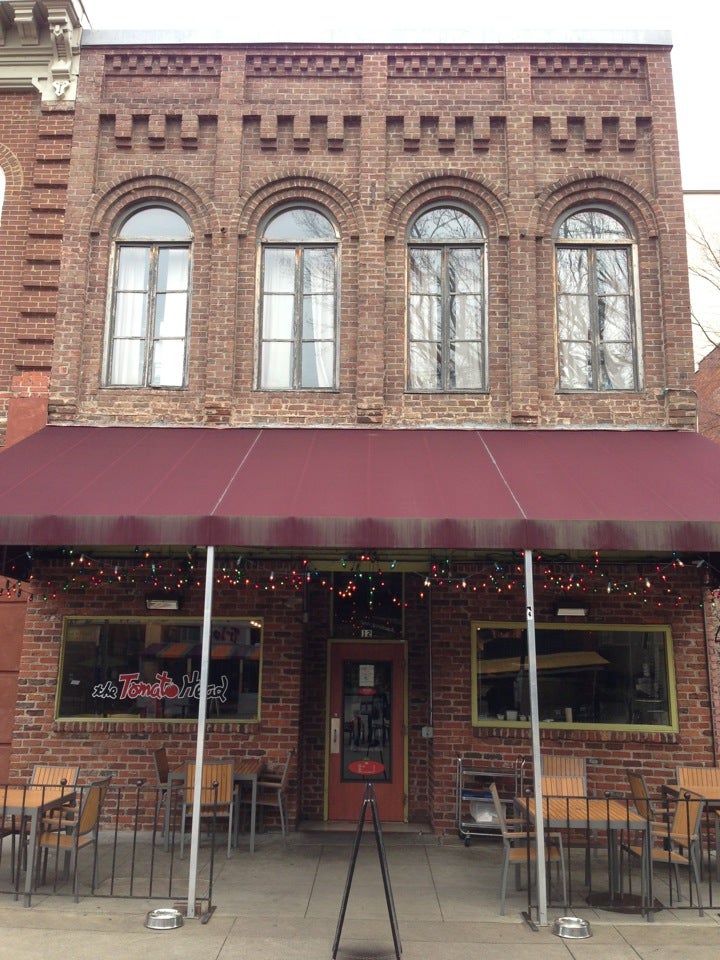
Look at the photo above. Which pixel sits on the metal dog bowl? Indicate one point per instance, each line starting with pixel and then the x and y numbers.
pixel 573 928
pixel 164 918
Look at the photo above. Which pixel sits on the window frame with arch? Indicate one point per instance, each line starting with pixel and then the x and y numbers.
pixel 437 250
pixel 596 301
pixel 150 297
pixel 299 249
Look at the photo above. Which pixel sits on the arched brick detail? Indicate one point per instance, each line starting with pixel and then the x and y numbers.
pixel 296 186
pixel 12 169
pixel 593 186
pixel 459 188
pixel 152 185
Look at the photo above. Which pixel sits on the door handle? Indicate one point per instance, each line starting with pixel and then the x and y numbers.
pixel 335 735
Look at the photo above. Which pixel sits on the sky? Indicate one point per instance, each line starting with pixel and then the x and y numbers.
pixel 694 54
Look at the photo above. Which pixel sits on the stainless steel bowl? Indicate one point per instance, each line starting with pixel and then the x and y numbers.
pixel 164 918
pixel 572 928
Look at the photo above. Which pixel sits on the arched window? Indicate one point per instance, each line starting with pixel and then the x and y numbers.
pixel 298 303
pixel 595 290
pixel 147 340
pixel 446 302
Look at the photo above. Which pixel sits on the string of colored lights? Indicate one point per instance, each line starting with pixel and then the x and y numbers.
pixel 661 583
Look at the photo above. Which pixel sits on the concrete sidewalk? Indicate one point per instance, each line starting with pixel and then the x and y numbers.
pixel 283 903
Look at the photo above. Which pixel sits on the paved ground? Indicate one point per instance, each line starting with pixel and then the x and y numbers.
pixel 283 903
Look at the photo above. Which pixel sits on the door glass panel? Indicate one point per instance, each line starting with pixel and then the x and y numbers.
pixel 366 717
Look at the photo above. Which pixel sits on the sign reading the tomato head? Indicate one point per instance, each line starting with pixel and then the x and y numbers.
pixel 129 686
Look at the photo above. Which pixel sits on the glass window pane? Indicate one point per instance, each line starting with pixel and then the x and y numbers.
pixel 574 318
pixel 276 366
pixel 133 268
pixel 279 272
pixel 318 360
pixel 612 267
pixel 425 318
pixel 130 315
pixel 424 363
pixel 575 366
pixel 128 360
pixel 168 363
pixel 170 315
pixel 318 271
pixel 425 267
pixel 318 318
pixel 466 315
pixel 301 223
pixel 616 362
pixel 592 225
pixel 155 223
pixel 173 269
pixel 608 676
pixel 445 223
pixel 465 271
pixel 615 319
pixel 277 321
pixel 466 367
pixel 572 271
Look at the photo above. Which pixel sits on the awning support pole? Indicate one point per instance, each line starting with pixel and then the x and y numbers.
pixel 535 737
pixel 200 740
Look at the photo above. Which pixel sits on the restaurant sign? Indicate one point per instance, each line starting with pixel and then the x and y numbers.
pixel 129 686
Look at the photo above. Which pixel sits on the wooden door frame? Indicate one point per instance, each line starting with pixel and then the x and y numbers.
pixel 348 641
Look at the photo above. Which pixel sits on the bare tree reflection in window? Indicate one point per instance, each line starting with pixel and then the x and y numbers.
pixel 446 301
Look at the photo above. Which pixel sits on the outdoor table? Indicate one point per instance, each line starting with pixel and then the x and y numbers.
pixel 587 813
pixel 31 804
pixel 245 771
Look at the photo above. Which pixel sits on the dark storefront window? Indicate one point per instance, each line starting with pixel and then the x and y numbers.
pixel 588 675
pixel 367 605
pixel 149 669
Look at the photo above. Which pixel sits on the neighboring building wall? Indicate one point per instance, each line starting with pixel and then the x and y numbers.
pixel 372 134
pixel 38 68
pixel 707 385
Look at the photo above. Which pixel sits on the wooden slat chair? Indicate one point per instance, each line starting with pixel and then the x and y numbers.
pixel 212 804
pixel 72 835
pixel 519 848
pixel 556 766
pixel 46 775
pixel 696 779
pixel 645 806
pixel 569 786
pixel 679 842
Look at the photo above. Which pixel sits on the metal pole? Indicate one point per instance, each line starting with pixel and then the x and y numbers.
pixel 200 741
pixel 535 737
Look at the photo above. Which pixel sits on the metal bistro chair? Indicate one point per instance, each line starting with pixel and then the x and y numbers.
pixel 272 792
pixel 72 835
pixel 212 804
pixel 162 774
pixel 519 849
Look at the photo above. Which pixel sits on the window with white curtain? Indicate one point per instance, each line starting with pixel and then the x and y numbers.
pixel 446 302
pixel 147 340
pixel 595 295
pixel 298 303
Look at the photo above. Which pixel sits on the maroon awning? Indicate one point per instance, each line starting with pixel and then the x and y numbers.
pixel 646 490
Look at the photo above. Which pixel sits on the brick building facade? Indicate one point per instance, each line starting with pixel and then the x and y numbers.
pixel 337 245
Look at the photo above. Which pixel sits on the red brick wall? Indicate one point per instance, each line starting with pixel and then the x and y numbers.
pixel 35 143
pixel 373 133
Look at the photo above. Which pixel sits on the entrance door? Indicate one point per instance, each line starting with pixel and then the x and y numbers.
pixel 367 717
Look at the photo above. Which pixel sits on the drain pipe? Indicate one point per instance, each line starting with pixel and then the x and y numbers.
pixel 535 737
pixel 200 743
